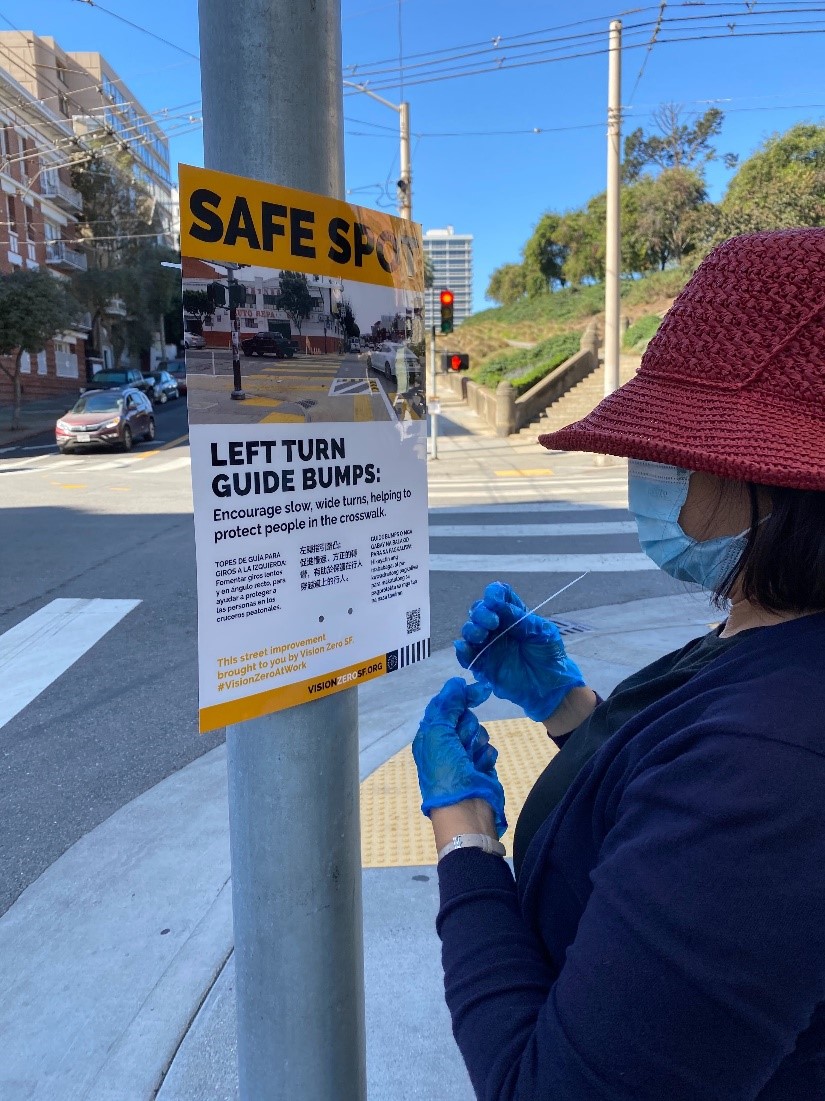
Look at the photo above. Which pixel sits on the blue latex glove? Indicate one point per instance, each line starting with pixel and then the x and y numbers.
pixel 528 665
pixel 452 752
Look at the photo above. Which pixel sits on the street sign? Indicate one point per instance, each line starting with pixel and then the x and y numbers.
pixel 310 496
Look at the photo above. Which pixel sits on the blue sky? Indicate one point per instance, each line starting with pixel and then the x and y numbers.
pixel 491 184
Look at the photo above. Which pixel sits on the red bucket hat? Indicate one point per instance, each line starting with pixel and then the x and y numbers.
pixel 733 383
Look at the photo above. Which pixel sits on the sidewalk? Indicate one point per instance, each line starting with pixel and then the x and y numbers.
pixel 116 964
pixel 35 417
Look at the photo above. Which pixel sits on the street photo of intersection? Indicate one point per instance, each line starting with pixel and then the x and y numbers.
pixel 312 348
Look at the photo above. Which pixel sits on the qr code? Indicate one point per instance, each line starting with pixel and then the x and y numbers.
pixel 414 621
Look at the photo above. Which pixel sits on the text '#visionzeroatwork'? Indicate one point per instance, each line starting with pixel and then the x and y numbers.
pixel 225 217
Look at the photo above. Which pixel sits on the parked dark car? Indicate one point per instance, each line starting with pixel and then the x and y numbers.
pixel 164 386
pixel 116 380
pixel 106 418
pixel 261 344
pixel 177 369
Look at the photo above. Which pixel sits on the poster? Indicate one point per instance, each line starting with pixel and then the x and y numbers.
pixel 304 320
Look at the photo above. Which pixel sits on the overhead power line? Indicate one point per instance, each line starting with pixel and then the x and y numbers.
pixel 138 27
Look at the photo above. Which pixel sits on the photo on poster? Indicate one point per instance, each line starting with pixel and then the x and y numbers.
pixel 313 348
pixel 304 336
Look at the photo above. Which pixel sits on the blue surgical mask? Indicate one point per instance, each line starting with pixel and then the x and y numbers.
pixel 656 493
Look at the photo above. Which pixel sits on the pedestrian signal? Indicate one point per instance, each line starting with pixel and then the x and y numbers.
pixel 237 295
pixel 459 362
pixel 216 295
pixel 447 301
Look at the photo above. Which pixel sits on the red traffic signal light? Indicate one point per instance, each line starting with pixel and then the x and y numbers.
pixel 447 300
pixel 459 362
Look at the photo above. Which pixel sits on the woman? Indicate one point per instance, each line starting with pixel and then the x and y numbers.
pixel 665 935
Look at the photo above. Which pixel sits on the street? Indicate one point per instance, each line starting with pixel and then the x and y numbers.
pixel 304 388
pixel 118 527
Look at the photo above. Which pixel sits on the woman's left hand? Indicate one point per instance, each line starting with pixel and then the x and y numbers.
pixel 452 752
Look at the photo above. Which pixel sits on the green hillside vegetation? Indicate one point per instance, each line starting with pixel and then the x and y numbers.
pixel 668 225
pixel 641 332
pixel 524 367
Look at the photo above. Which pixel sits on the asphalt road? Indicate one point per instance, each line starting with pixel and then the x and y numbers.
pixel 124 715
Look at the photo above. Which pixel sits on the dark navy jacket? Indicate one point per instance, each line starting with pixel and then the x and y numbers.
pixel 666 941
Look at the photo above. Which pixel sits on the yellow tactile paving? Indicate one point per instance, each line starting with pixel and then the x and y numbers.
pixel 394 832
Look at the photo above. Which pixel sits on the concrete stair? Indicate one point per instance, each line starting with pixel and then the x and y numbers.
pixel 579 401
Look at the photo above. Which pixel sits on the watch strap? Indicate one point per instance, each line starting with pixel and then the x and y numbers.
pixel 473 841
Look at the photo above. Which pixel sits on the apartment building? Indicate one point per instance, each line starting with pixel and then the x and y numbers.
pixel 38 225
pixel 83 88
pixel 451 254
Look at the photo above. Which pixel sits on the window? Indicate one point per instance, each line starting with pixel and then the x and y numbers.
pixel 12 214
pixel 61 72
pixel 30 233
pixel 9 143
pixel 63 104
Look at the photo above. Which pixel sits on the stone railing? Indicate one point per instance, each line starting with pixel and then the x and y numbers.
pixel 502 410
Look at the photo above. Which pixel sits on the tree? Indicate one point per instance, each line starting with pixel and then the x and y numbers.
pixel 507 284
pixel 119 212
pixel 34 307
pixel 347 318
pixel 682 141
pixel 673 216
pixel 780 186
pixel 294 297
pixel 582 232
pixel 197 303
pixel 544 256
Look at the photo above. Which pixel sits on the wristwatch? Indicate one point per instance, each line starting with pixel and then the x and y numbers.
pixel 473 841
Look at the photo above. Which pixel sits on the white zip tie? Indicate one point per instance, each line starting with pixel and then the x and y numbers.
pixel 526 614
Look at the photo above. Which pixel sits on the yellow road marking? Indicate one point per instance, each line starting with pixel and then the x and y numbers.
pixel 119 489
pixel 282 418
pixel 536 472
pixel 362 407
pixel 70 485
pixel 394 832
pixel 173 443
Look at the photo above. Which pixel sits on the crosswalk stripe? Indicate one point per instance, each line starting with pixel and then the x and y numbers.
pixel 42 647
pixel 162 468
pixel 519 531
pixel 499 564
pixel 525 507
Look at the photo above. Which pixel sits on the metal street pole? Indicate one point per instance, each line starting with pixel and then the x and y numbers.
pixel 235 340
pixel 293 776
pixel 405 180
pixel 434 416
pixel 613 250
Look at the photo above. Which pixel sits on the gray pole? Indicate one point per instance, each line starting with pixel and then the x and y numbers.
pixel 405 183
pixel 613 243
pixel 272 108
pixel 434 416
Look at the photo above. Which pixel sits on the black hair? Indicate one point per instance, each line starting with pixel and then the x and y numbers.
pixel 782 568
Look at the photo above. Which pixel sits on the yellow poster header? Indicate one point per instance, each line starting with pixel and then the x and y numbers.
pixel 232 218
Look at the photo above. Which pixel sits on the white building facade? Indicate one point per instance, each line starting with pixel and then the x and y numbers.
pixel 451 255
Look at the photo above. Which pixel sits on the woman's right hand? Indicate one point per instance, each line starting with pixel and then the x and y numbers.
pixel 527 663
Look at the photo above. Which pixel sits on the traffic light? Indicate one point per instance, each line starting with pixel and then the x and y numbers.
pixel 447 301
pixel 459 361
pixel 237 295
pixel 216 295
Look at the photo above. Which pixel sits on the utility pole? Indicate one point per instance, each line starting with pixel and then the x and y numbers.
pixel 613 250
pixel 293 775
pixel 405 180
